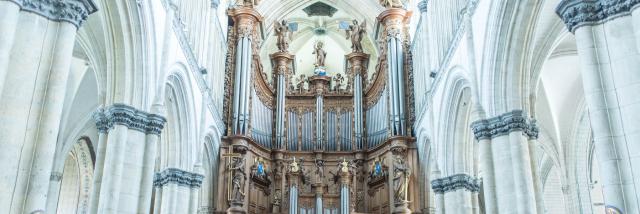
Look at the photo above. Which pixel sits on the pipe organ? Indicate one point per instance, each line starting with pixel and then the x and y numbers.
pixel 337 143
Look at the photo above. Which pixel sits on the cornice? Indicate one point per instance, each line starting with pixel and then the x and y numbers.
pixel 121 114
pixel 504 124
pixel 577 13
pixel 71 11
pixel 455 182
pixel 179 177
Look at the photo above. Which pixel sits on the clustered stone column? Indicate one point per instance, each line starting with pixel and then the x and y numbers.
pixel 125 158
pixel 455 193
pixel 608 44
pixel 173 187
pixel 507 136
pixel 35 58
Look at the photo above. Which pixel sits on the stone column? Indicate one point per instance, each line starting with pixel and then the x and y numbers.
pixel 456 191
pixel 508 137
pixel 176 188
pixel 122 182
pixel 609 52
pixel 439 193
pixel 31 98
pixel 54 192
pixel 283 64
pixel 358 67
pixel 393 20
pixel 246 24
pixel 9 13
pixel 102 124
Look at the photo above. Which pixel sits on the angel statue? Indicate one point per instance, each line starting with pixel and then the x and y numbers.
pixel 391 3
pixel 283 34
pixel 356 32
pixel 320 54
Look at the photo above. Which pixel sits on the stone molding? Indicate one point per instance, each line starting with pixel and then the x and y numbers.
pixel 179 177
pixel 577 13
pixel 504 124
pixel 455 182
pixel 121 114
pixel 71 11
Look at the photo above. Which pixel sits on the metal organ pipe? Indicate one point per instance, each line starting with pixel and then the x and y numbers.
pixel 247 85
pixel 236 89
pixel 400 78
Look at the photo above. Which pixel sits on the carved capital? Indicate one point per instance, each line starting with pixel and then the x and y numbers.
pixel 121 114
pixel 71 11
pixel 246 20
pixel 577 13
pixel 422 5
pixel 393 21
pixel 56 176
pixel 455 182
pixel 178 177
pixel 505 124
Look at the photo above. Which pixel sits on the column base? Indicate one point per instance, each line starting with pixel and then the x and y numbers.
pixel 402 208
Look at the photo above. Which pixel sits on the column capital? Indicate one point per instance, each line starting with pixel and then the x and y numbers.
pixel 55 176
pixel 358 63
pixel 245 19
pixel 121 114
pixel 504 124
pixel 282 62
pixel 71 11
pixel 179 177
pixel 455 182
pixel 393 20
pixel 577 13
pixel 422 5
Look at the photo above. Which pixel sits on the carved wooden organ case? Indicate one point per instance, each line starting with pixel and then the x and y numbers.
pixel 302 139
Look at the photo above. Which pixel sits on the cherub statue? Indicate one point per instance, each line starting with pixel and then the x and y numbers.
pixel 391 3
pixel 247 3
pixel 320 54
pixel 338 79
pixel 320 168
pixel 283 34
pixel 300 83
pixel 356 32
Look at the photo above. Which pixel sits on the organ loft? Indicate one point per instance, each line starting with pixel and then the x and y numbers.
pixel 320 114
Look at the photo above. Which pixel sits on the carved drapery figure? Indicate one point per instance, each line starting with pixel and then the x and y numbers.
pixel 320 169
pixel 238 179
pixel 400 179
pixel 283 35
pixel 320 54
pixel 356 32
pixel 337 80
pixel 391 3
